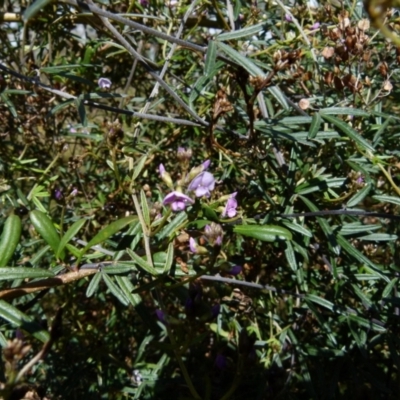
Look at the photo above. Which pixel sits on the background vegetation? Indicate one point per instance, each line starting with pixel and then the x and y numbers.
pixel 287 289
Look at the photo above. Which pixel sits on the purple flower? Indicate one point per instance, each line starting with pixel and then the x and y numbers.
pixel 165 176
pixel 177 200
pixel 315 26
pixel 144 3
pixel 161 316
pixel 206 164
pixel 104 83
pixel 220 361
pixel 288 18
pixel 235 270
pixel 215 309
pixel 230 207
pixel 202 184
pixel 360 180
pixel 192 245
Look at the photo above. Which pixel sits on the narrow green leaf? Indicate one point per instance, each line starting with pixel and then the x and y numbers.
pixel 126 286
pixel 23 321
pixel 115 290
pixel 366 323
pixel 241 60
pixel 359 196
pixel 290 256
pixel 119 268
pixel 93 285
pixel 279 97
pixel 348 131
pixel 319 300
pixel 145 208
pixel 34 8
pixel 315 125
pixel 389 287
pixel 169 259
pixel 177 223
pixel 24 273
pixel 139 167
pixel 379 237
pixel 241 33
pixel 80 105
pixel 108 231
pixel 358 227
pixel 297 228
pixel 267 233
pixel 210 57
pixel 142 263
pixel 324 225
pixel 352 251
pixel 70 234
pixel 365 300
pixel 344 111
pixel 387 199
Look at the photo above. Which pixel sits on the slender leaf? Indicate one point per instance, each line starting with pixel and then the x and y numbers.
pixel 348 131
pixel 267 233
pixel 70 234
pixel 115 290
pixel 24 273
pixel 315 125
pixel 241 33
pixel 108 231
pixel 359 196
pixel 210 57
pixel 21 320
pixel 93 285
pixel 241 60
pixel 145 208
pixel 169 259
pixel 142 263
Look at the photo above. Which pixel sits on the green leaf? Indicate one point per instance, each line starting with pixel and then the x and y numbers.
pixel 24 273
pixel 70 234
pixel 145 208
pixel 114 289
pixel 387 199
pixel 324 225
pixel 169 259
pixel 210 57
pixel 358 227
pixel 23 321
pixel 266 233
pixel 175 225
pixel 126 286
pixel 297 228
pixel 320 301
pixel 139 167
pixel 291 257
pixel 348 131
pixel 44 226
pixel 389 287
pixel 366 323
pixel 93 285
pixel 119 268
pixel 108 231
pixel 241 33
pixel 359 196
pixel 279 97
pixel 142 263
pixel 344 111
pixel 352 251
pixel 34 8
pixel 379 237
pixel 241 60
pixel 315 125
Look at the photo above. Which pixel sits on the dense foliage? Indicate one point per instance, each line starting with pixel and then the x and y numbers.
pixel 198 200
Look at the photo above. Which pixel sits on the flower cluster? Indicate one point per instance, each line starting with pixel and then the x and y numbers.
pixel 198 183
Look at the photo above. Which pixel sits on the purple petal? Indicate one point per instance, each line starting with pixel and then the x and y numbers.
pixel 178 206
pixel 161 169
pixel 177 197
pixel 206 164
pixel 235 270
pixel 104 83
pixel 192 245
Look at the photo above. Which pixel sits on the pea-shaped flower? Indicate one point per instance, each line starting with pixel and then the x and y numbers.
pixel 202 184
pixel 177 200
